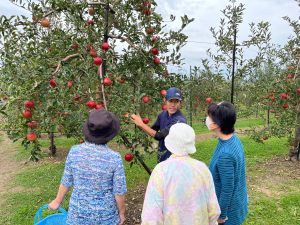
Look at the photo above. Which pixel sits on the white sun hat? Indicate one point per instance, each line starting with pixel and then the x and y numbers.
pixel 181 139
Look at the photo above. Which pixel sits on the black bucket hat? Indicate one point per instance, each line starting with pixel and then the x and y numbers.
pixel 101 126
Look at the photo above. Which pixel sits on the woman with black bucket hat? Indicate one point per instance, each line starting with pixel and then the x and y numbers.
pixel 97 175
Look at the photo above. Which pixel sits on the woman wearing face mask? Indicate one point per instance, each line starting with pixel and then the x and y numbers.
pixel 228 165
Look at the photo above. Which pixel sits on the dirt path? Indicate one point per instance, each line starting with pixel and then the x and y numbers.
pixel 206 136
pixel 9 166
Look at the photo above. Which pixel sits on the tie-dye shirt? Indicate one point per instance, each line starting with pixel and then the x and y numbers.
pixel 180 191
pixel 97 175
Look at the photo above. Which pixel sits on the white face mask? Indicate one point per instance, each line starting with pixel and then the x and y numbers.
pixel 208 122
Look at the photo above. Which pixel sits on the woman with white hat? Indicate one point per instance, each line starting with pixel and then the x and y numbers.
pixel 97 175
pixel 180 190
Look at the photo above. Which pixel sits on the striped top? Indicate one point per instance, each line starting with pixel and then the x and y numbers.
pixel 228 170
pixel 97 175
pixel 180 191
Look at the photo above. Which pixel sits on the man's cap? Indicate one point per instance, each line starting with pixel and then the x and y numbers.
pixel 173 93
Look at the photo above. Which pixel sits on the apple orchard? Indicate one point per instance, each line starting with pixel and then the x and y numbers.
pixel 71 57
pixel 74 56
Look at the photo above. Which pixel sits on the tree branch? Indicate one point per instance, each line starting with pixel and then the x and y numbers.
pixel 64 60
pixel 297 68
pixel 124 39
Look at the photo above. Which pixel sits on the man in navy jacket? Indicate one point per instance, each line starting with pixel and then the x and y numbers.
pixel 160 129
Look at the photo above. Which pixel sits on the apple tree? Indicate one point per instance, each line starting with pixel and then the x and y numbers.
pixel 74 56
pixel 221 77
pixel 283 95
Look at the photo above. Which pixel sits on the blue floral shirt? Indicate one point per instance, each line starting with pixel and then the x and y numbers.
pixel 97 174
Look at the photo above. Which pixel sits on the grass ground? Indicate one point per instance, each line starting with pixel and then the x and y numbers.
pixel 200 127
pixel 273 184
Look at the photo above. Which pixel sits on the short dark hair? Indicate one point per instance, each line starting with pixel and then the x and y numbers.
pixel 224 115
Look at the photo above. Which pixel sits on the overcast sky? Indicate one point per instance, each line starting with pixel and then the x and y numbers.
pixel 207 13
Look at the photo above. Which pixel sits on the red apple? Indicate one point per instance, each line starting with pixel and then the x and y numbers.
pixel 272 97
pixel 29 104
pixel 156 60
pixel 128 157
pixel 154 51
pixel 155 39
pixel 163 92
pixel 105 46
pixel 290 76
pixel 45 22
pixel 146 99
pixel 75 45
pixel 31 136
pixel 26 114
pixel 290 67
pixel 283 95
pixel 76 97
pixel 146 120
pixel 208 100
pixel 98 106
pixel 32 124
pixel 89 47
pixel 285 106
pixel 91 11
pixel 70 84
pixel 121 81
pixel 98 61
pixel 147 12
pixel 93 53
pixel 52 83
pixel 150 30
pixel 164 107
pixel 107 81
pixel 298 90
pixel 90 22
pixel 147 4
pixel 91 104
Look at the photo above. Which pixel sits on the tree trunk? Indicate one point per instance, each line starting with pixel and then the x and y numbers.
pixel 294 144
pixel 256 112
pixel 52 148
pixel 268 117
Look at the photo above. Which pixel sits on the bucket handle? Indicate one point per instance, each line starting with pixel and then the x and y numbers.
pixel 38 214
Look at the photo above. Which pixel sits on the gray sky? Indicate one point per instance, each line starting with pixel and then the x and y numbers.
pixel 207 13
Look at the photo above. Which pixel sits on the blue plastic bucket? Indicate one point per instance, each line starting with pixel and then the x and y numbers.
pixel 54 219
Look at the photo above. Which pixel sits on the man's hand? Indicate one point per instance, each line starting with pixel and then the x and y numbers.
pixel 137 120
pixel 53 205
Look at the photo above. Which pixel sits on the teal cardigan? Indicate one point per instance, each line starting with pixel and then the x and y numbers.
pixel 228 170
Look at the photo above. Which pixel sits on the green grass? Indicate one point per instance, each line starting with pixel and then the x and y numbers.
pixel 263 210
pixel 60 142
pixel 200 127
pixel 282 211
pixel 254 152
pixel 39 182
pixel 249 122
